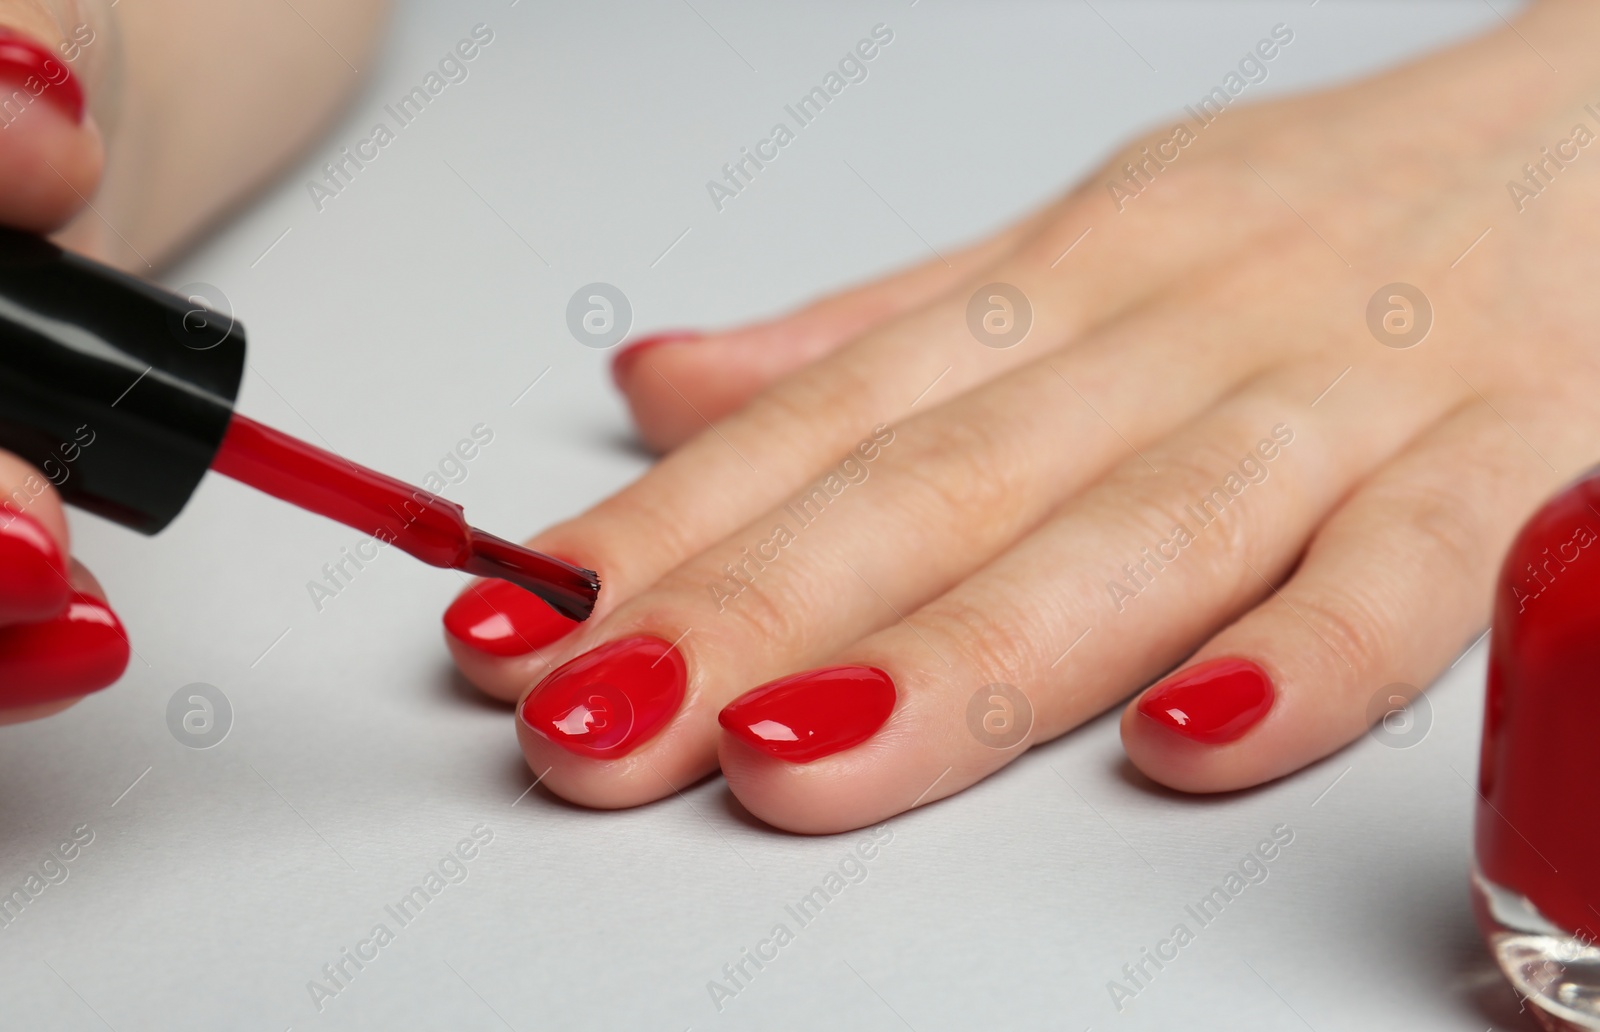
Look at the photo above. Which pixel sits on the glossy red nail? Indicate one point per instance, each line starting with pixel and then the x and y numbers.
pixel 40 73
pixel 623 362
pixel 33 572
pixel 1537 843
pixel 82 650
pixel 607 701
pixel 807 716
pixel 1212 703
pixel 500 619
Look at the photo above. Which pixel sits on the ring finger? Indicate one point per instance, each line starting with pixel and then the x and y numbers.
pixel 1120 584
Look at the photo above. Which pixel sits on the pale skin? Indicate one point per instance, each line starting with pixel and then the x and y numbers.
pixel 1225 300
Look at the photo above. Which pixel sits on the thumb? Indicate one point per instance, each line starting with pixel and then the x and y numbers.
pixel 59 640
pixel 51 152
pixel 34 582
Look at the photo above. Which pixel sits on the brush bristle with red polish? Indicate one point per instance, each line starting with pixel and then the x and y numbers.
pixel 416 520
pixel 569 590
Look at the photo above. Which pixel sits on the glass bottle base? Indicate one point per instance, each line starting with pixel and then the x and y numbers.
pixel 1556 974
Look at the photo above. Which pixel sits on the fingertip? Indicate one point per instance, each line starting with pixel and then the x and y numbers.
pixel 1212 703
pixel 50 165
pixel 500 678
pixel 82 650
pixel 24 489
pixel 627 358
pixel 32 69
pixel 676 385
pixel 500 619
pixel 53 154
pixel 812 714
pixel 1168 758
pixel 774 792
pixel 495 632
pixel 805 799
pixel 37 711
pixel 34 584
pixel 599 784
pixel 1198 729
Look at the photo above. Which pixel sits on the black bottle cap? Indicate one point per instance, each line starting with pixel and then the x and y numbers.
pixel 120 392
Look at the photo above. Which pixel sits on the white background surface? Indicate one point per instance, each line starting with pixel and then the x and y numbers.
pixel 414 307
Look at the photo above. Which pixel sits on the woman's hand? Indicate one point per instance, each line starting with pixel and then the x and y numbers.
pixel 1285 396
pixel 58 638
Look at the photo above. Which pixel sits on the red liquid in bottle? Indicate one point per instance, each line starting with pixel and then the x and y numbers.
pixel 1537 879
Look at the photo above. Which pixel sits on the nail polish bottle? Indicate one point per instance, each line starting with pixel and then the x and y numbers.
pixel 1536 880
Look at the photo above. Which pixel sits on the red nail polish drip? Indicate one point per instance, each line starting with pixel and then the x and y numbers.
pixel 1536 884
pixel 418 521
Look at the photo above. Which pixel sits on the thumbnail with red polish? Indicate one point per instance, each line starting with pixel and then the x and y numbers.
pixel 624 361
pixel 1212 703
pixel 498 618
pixel 41 74
pixel 33 572
pixel 807 716
pixel 82 650
pixel 606 702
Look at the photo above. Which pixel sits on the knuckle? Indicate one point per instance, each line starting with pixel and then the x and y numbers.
pixel 788 410
pixel 996 643
pixel 778 412
pixel 764 612
pixel 1200 488
pixel 1449 528
pixel 1437 526
pixel 957 467
pixel 640 520
pixel 1355 625
pixel 742 598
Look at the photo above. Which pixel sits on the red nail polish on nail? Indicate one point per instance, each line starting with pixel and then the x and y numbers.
pixel 33 572
pixel 500 619
pixel 807 716
pixel 82 650
pixel 40 73
pixel 607 701
pixel 623 362
pixel 1212 703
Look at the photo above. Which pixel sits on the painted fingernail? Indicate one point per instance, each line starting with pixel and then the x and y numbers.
pixel 33 572
pixel 40 73
pixel 500 619
pixel 1212 703
pixel 807 716
pixel 82 650
pixel 623 362
pixel 607 701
